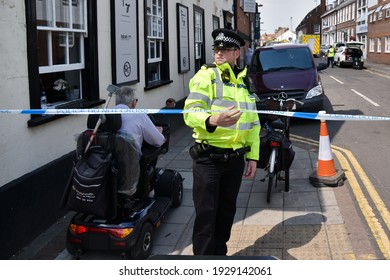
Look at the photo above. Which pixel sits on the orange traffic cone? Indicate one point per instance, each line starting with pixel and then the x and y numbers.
pixel 326 174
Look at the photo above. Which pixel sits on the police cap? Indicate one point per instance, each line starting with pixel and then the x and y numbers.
pixel 225 38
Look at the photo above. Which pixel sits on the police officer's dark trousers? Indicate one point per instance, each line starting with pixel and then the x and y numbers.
pixel 215 189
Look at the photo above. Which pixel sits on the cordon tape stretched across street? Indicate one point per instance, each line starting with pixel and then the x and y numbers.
pixel 303 115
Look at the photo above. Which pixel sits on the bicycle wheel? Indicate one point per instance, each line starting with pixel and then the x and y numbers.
pixel 271 172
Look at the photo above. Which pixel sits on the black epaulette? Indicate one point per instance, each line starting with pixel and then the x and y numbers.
pixel 209 65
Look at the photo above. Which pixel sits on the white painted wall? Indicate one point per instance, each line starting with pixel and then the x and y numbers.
pixel 24 149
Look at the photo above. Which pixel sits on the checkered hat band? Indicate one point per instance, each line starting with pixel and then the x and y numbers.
pixel 225 39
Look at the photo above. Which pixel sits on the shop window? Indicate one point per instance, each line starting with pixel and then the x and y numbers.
pixel 60 52
pixel 157 50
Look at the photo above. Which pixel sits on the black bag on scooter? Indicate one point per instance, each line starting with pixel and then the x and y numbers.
pixel 92 188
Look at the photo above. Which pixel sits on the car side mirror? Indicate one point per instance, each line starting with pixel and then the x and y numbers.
pixel 321 66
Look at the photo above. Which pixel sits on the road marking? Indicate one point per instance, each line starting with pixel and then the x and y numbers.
pixel 375 226
pixel 369 186
pixel 379 74
pixel 337 80
pixel 365 97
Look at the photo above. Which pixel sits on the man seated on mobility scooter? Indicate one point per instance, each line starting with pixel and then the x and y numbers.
pixel 131 210
pixel 147 137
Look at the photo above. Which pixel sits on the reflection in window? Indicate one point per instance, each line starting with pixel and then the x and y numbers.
pixel 198 34
pixel 277 60
pixel 61 27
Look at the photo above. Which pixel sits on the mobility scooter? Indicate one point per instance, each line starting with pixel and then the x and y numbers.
pixel 128 230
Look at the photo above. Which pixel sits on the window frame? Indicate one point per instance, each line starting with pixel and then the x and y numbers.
pixel 387 44
pixel 162 60
pixel 90 73
pixel 67 31
pixel 200 56
pixel 216 22
pixel 379 45
pixel 372 45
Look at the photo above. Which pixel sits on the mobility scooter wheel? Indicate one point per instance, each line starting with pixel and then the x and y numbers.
pixel 143 247
pixel 75 252
pixel 177 195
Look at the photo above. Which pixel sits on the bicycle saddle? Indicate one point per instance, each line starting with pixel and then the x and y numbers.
pixel 278 123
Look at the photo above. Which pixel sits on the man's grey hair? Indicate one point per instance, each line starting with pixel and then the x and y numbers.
pixel 125 95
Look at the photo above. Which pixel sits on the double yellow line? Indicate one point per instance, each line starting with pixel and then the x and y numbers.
pixel 368 212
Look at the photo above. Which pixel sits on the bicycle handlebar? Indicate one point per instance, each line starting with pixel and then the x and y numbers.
pixel 280 103
pixel 277 99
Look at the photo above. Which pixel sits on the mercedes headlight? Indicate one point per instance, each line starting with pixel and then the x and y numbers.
pixel 315 91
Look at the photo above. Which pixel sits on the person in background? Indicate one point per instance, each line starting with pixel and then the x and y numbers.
pixel 248 56
pixel 330 56
pixel 170 103
pixel 224 136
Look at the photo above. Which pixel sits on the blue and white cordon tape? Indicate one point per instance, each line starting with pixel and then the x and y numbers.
pixel 303 115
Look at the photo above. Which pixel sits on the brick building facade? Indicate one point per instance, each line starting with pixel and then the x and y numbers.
pixel 378 50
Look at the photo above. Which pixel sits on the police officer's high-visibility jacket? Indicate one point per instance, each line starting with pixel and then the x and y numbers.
pixel 208 91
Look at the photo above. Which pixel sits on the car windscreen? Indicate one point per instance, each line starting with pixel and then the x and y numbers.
pixel 268 60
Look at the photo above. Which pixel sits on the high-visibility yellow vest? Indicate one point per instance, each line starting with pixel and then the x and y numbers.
pixel 208 91
pixel 331 52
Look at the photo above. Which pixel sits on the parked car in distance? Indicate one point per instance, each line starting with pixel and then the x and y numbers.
pixel 338 45
pixel 346 55
pixel 324 50
pixel 288 68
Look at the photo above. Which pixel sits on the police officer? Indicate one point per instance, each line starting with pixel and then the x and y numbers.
pixel 225 134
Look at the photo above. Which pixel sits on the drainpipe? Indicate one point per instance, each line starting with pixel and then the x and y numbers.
pixel 235 14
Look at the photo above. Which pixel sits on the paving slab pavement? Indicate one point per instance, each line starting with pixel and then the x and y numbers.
pixel 303 224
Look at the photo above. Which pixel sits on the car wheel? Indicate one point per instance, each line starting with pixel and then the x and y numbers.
pixel 143 247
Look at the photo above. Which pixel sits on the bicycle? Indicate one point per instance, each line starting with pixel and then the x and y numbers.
pixel 278 151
